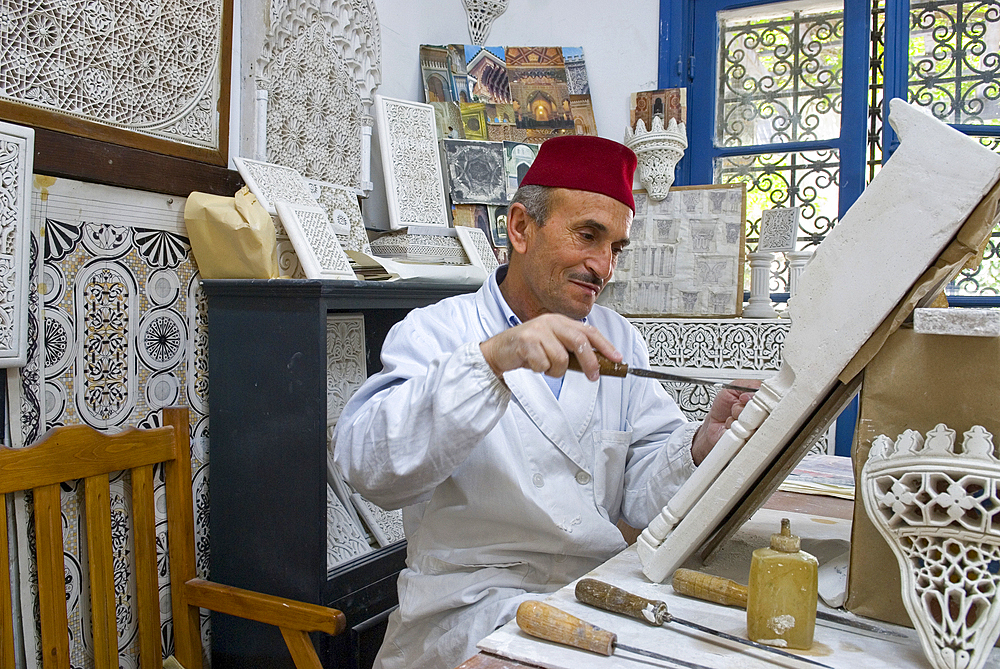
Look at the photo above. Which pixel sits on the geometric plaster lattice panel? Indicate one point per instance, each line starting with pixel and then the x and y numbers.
pixel 411 164
pixel 321 65
pixel 17 148
pixel 936 505
pixel 150 68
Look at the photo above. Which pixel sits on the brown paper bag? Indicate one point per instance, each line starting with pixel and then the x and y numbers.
pixel 231 237
pixel 915 381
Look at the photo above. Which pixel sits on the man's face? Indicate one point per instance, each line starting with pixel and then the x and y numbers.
pixel 569 259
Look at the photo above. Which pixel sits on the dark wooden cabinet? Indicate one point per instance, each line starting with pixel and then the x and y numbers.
pixel 267 437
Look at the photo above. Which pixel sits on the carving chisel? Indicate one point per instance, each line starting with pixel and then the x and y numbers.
pixel 620 369
pixel 547 622
pixel 730 593
pixel 654 612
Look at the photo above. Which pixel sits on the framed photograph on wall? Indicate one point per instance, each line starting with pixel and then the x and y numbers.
pixel 685 255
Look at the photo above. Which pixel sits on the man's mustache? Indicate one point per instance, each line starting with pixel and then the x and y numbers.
pixel 588 277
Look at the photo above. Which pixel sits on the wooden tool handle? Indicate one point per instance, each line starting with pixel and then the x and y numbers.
pixel 608 597
pixel 608 368
pixel 547 622
pixel 710 588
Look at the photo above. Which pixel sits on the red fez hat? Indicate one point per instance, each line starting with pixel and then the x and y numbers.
pixel 584 162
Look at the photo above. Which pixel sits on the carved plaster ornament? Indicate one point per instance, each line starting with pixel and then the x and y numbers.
pixel 935 505
pixel 658 151
pixel 16 157
pixel 321 65
pixel 935 180
pixel 481 14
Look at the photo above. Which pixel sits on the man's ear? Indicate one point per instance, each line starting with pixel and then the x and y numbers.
pixel 519 227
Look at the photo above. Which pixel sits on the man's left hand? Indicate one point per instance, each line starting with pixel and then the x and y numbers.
pixel 725 409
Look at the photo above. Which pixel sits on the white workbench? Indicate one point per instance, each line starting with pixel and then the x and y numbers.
pixel 824 537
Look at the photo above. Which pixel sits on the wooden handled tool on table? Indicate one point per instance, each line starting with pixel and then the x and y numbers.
pixel 654 612
pixel 620 369
pixel 730 593
pixel 547 622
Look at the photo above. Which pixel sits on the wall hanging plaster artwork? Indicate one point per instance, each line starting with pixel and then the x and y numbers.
pixel 481 16
pixel 779 228
pixel 411 164
pixel 478 248
pixel 270 183
pixel 341 205
pixel 935 505
pixel 315 242
pixel 321 64
pixel 123 255
pixel 153 79
pixel 476 171
pixel 684 257
pixel 774 431
pixel 658 150
pixel 17 150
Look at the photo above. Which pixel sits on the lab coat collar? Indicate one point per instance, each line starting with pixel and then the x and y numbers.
pixel 564 420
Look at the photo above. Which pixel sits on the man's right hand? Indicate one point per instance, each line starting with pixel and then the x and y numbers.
pixel 545 343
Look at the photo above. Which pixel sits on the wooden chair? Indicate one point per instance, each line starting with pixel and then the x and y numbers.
pixel 80 452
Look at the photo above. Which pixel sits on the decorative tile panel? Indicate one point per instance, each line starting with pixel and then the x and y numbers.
pixel 17 148
pixel 124 334
pixel 412 169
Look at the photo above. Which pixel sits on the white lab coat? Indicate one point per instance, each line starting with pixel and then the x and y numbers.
pixel 505 493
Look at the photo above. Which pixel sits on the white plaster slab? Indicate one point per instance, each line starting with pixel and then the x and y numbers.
pixel 478 248
pixel 315 242
pixel 270 183
pixel 833 646
pixel 17 150
pixel 924 194
pixel 957 321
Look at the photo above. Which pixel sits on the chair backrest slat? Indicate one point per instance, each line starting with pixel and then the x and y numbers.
pixel 79 451
pixel 146 583
pixel 100 554
pixel 6 601
pixel 51 577
pixel 180 544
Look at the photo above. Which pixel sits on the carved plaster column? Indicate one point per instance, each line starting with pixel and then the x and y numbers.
pixel 797 261
pixel 759 305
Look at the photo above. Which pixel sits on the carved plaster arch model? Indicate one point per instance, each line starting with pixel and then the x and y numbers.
pixel 935 180
pixel 332 98
pixel 936 507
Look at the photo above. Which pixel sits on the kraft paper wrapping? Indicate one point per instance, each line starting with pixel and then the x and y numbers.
pixel 231 237
pixel 914 382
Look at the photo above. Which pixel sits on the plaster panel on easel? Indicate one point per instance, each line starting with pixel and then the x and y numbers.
pixel 16 154
pixel 411 165
pixel 348 32
pixel 476 171
pixel 151 69
pixel 270 183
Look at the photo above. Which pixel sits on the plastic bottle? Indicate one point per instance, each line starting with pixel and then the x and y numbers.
pixel 781 597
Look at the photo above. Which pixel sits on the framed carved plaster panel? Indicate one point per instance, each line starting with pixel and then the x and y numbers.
pixel 154 77
pixel 414 184
pixel 16 154
pixel 315 242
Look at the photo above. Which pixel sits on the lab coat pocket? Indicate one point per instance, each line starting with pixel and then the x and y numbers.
pixel 610 453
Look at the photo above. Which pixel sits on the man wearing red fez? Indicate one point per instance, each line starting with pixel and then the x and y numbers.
pixel 511 471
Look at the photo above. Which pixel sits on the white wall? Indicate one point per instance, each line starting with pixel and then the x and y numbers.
pixel 619 43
